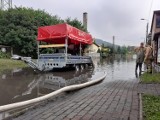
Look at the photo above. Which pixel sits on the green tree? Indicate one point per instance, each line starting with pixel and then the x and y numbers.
pixel 119 50
pixel 111 49
pixel 124 50
pixel 76 23
pixel 98 51
pixel 18 28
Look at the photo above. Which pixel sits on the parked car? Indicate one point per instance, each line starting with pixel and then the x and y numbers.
pixel 16 57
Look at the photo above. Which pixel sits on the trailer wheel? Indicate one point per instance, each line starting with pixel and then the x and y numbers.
pixel 91 65
pixel 82 67
pixel 86 66
pixel 77 67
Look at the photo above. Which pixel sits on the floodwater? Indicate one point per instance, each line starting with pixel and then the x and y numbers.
pixel 120 68
pixel 24 84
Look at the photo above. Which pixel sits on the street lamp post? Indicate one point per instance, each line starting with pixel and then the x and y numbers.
pixel 147 32
pixel 146 28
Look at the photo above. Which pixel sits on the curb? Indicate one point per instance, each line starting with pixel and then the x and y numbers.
pixel 140 107
pixel 140 102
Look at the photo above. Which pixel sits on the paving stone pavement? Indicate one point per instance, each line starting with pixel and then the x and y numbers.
pixel 113 100
pixel 116 98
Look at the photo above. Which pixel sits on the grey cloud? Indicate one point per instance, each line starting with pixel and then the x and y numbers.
pixel 105 17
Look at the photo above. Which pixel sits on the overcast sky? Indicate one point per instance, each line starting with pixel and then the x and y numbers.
pixel 106 18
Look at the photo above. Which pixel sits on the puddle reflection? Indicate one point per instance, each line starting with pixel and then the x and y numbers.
pixel 25 84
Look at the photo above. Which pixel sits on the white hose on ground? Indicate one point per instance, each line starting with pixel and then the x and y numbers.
pixel 45 97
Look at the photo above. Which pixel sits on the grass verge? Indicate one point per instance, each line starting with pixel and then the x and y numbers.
pixel 11 64
pixel 150 78
pixel 151 107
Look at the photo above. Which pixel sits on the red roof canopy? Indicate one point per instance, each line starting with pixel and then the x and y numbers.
pixel 56 34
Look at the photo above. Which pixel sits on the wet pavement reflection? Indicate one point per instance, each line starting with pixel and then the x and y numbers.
pixel 23 84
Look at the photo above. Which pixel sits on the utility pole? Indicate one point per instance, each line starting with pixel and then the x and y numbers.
pixel 147 32
pixel 146 28
pixel 113 45
pixel 5 4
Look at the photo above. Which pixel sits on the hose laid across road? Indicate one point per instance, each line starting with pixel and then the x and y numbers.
pixel 45 97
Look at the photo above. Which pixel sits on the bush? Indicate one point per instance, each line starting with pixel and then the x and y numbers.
pixel 4 55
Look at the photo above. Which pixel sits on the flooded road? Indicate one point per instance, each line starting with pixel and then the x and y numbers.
pixel 117 69
pixel 23 84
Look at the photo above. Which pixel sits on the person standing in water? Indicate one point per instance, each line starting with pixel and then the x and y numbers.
pixel 140 52
pixel 148 57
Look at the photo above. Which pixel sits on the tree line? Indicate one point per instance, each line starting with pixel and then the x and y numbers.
pixel 109 50
pixel 18 28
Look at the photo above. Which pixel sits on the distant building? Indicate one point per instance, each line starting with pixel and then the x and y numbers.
pixel 5 49
pixel 92 50
pixel 155 37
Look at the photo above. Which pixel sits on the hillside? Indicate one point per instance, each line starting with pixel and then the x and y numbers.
pixel 107 44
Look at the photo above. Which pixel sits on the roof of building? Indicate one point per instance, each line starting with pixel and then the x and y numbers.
pixel 4 46
pixel 96 44
pixel 155 12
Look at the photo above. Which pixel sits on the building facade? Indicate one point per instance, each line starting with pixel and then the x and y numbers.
pixel 155 38
pixel 92 50
pixel 6 49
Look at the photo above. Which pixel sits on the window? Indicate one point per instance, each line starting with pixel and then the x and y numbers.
pixel 158 21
